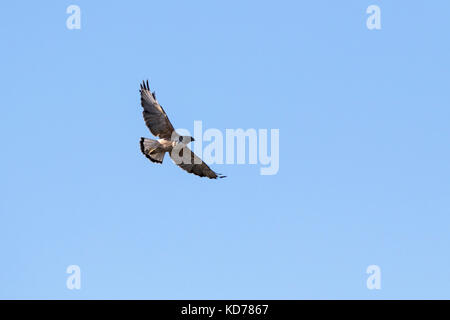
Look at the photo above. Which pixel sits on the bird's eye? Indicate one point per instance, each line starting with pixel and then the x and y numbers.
pixel 180 139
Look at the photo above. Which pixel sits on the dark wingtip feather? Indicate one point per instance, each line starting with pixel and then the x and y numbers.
pixel 220 176
pixel 145 86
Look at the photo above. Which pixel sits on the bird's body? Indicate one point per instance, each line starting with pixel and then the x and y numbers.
pixel 169 140
pixel 167 145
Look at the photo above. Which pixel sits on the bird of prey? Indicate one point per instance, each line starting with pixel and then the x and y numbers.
pixel 169 140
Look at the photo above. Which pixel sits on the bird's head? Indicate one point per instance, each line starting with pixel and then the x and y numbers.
pixel 185 139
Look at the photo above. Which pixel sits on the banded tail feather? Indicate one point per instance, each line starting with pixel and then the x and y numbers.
pixel 152 149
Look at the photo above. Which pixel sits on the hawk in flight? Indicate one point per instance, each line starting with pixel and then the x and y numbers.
pixel 169 140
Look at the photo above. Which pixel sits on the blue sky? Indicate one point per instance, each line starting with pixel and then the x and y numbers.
pixel 364 158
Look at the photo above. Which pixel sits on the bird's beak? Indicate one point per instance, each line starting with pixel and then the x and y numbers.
pixel 192 139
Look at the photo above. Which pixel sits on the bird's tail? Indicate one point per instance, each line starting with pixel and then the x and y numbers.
pixel 152 149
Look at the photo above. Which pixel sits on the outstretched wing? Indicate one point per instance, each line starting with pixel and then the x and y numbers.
pixel 154 115
pixel 193 164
